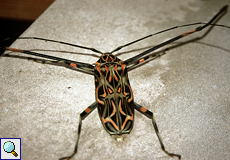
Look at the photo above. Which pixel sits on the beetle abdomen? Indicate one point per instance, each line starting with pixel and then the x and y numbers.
pixel 114 96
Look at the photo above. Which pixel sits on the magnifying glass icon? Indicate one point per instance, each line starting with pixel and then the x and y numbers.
pixel 9 147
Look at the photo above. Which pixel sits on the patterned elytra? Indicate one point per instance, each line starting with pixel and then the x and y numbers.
pixel 113 95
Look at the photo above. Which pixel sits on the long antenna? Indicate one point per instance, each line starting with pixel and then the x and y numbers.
pixel 220 13
pixel 186 25
pixel 74 45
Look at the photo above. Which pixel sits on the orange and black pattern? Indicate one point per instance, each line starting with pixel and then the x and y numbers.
pixel 113 95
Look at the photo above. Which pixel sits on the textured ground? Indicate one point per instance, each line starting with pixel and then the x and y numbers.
pixel 187 89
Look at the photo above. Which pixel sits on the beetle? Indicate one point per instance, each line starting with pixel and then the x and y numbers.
pixel 113 93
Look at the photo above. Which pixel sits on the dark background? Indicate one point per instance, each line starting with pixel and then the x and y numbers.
pixel 17 15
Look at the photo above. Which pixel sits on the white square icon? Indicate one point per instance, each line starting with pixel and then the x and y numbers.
pixel 10 148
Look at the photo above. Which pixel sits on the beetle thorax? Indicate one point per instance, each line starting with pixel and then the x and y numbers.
pixel 107 58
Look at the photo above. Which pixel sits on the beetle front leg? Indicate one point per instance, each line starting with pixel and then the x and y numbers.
pixel 83 66
pixel 83 115
pixel 150 115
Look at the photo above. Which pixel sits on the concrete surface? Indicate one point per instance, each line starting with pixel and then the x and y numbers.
pixel 187 89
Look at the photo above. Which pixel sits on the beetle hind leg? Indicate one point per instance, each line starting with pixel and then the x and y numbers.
pixel 83 115
pixel 150 115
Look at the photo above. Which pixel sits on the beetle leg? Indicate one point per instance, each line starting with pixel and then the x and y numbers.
pixel 136 59
pixel 150 115
pixel 83 115
pixel 83 66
